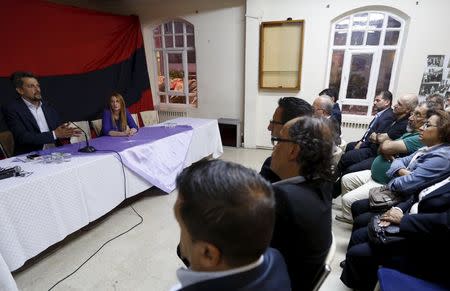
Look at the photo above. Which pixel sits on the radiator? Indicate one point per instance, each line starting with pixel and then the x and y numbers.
pixel 165 115
pixel 353 128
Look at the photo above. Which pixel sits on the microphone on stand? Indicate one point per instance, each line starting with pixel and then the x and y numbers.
pixel 87 148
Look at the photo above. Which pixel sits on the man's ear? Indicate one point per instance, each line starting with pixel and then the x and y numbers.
pixel 20 91
pixel 209 255
pixel 294 152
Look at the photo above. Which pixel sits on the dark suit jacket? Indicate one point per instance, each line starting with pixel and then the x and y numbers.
pixel 27 136
pixel 336 113
pixel 395 130
pixel 303 228
pixel 384 122
pixel 431 212
pixel 267 172
pixel 270 275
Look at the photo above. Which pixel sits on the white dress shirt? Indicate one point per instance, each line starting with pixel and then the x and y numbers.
pixel 39 116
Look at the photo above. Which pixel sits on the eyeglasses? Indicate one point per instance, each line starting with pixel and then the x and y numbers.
pixel 276 122
pixel 276 140
pixel 427 124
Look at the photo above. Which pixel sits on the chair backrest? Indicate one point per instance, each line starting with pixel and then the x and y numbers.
pixel 6 144
pixel 97 126
pixel 149 117
pixel 326 268
pixel 136 118
pixel 84 125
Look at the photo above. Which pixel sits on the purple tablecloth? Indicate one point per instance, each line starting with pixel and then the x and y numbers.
pixel 157 164
pixel 118 144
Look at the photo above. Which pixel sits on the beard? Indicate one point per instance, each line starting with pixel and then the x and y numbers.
pixel 36 97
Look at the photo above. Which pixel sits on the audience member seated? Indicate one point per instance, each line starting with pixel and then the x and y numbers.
pixel 226 215
pixel 356 186
pixel 34 124
pixel 288 108
pixel 424 222
pixel 362 156
pixel 334 95
pixel 117 121
pixel 438 99
pixel 301 158
pixel 419 170
pixel 323 107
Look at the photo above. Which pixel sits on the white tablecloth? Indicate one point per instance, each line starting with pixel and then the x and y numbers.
pixel 58 199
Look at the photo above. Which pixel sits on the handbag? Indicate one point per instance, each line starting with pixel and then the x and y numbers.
pixel 381 198
pixel 379 235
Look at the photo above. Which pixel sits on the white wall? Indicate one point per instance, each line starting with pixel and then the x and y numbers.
pixel 219 44
pixel 426 35
pixel 227 44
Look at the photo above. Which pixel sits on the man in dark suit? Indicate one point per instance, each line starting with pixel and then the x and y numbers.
pixel 288 108
pixel 361 150
pixel 323 108
pixel 424 222
pixel 34 124
pixel 226 215
pixel 301 158
pixel 334 95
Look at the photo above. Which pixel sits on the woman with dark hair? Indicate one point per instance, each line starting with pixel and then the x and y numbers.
pixel 117 121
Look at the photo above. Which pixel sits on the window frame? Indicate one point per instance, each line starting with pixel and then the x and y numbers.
pixel 164 52
pixel 377 50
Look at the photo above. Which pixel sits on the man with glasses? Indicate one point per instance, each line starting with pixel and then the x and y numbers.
pixel 288 108
pixel 34 124
pixel 301 158
pixel 323 108
pixel 362 156
pixel 334 95
pixel 423 220
pixel 356 185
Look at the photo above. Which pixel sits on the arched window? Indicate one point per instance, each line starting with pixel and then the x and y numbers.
pixel 364 53
pixel 175 61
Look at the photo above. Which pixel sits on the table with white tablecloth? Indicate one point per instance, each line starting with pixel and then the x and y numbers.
pixel 58 199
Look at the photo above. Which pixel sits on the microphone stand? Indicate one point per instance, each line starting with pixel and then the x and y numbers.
pixel 87 148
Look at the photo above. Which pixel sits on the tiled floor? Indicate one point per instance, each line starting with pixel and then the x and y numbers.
pixel 144 258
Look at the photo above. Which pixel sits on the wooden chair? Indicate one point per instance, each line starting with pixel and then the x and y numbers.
pixel 149 117
pixel 84 125
pixel 6 144
pixel 97 126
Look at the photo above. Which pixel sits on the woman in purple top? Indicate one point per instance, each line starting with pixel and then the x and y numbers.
pixel 117 121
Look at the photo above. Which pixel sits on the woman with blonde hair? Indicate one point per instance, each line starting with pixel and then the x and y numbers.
pixel 117 121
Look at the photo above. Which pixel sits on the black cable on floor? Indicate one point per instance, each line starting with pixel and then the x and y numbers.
pixel 119 235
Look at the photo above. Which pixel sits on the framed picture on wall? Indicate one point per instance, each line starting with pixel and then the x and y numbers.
pixel 280 55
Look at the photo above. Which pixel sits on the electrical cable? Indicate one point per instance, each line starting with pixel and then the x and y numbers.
pixel 119 235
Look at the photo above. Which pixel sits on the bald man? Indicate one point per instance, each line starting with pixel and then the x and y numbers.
pixel 323 108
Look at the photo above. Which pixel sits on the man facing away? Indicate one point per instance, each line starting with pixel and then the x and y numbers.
pixel 288 108
pixel 34 124
pixel 226 215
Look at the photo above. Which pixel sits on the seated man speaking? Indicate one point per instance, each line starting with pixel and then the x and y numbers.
pixel 226 215
pixel 34 124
